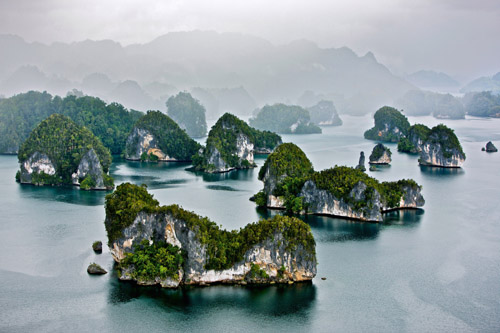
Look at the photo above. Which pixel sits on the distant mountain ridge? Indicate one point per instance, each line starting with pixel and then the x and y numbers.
pixel 269 73
pixel 427 79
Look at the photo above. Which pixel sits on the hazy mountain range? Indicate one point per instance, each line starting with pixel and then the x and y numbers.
pixel 226 71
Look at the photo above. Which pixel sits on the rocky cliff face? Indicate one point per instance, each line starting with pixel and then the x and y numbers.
pixel 217 163
pixel 380 155
pixel 89 165
pixel 141 141
pixel 325 203
pixel 361 163
pixel 270 256
pixel 432 154
pixel 244 155
pixel 37 163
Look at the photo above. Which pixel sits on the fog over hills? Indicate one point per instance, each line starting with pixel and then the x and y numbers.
pixel 262 71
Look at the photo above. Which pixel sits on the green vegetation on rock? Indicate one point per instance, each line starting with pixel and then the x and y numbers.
pixel 20 114
pixel 224 137
pixel 284 119
pixel 287 170
pixel 416 133
pixel 172 140
pixel 378 152
pixel 188 113
pixel 224 248
pixel 288 160
pixel 159 259
pixel 446 138
pixel 390 125
pixel 65 143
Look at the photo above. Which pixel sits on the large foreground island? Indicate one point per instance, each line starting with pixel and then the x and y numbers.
pixel 170 246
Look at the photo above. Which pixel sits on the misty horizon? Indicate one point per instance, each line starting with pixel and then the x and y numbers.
pixel 453 37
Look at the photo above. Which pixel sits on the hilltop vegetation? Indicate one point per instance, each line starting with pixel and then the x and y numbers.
pixel 232 138
pixel 390 125
pixel 284 119
pixel 171 139
pixel 65 143
pixel 21 113
pixel 188 113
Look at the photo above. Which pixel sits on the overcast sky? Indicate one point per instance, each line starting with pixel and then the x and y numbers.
pixel 460 37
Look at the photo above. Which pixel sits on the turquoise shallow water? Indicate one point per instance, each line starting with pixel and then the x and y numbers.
pixel 432 270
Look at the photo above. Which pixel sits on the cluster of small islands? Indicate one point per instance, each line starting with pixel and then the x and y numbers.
pixel 70 141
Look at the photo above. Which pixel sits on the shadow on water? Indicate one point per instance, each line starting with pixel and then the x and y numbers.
pixel 65 194
pixel 331 229
pixel 431 171
pixel 407 217
pixel 222 188
pixel 240 175
pixel 151 165
pixel 275 300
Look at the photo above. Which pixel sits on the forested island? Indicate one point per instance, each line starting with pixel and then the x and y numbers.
pixel 284 119
pixel 156 137
pixel 390 125
pixel 291 183
pixel 324 113
pixel 170 246
pixel 19 115
pixel 188 113
pixel 59 152
pixel 438 146
pixel 231 144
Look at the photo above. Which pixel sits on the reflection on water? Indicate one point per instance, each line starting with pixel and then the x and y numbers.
pixel 440 172
pixel 328 229
pixel 406 217
pixel 331 229
pixel 274 300
pixel 241 175
pixel 221 188
pixel 66 194
pixel 154 166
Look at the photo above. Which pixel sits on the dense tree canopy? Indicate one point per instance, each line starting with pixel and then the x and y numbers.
pixel 483 104
pixel 21 113
pixel 65 143
pixel 440 134
pixel 223 137
pixel 390 125
pixel 171 138
pixel 284 119
pixel 188 113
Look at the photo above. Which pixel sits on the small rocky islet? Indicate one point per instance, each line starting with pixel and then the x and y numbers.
pixel 490 148
pixel 380 155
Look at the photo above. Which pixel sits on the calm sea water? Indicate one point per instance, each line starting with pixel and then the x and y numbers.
pixel 432 270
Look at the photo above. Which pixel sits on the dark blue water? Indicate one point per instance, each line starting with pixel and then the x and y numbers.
pixel 432 270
